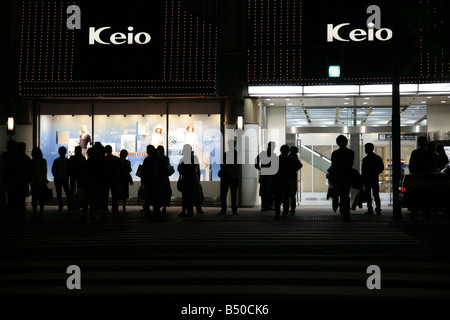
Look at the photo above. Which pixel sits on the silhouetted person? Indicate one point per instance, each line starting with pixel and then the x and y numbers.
pixel 95 177
pixel 431 146
pixel 164 171
pixel 85 184
pixel 442 158
pixel 9 174
pixel 372 167
pixel 189 170
pixel 2 183
pixel 125 178
pixel 17 177
pixel 149 178
pixel 422 159
pixel 75 164
pixel 112 167
pixel 38 181
pixel 25 165
pixel 341 173
pixel 198 192
pixel 60 171
pixel 281 182
pixel 8 161
pixel 293 178
pixel 230 175
pixel 267 170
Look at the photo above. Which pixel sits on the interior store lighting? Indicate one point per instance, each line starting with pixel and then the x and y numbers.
pixel 240 123
pixel 353 90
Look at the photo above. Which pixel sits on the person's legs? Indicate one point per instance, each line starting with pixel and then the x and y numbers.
pixel 115 199
pixel 147 200
pixel 189 202
pixel 286 200
pixel 376 196
pixel 67 192
pixel 344 201
pixel 233 189
pixel 34 204
pixel 58 189
pixel 277 199
pixel 223 196
pixel 293 203
pixel 368 191
pixel 73 185
pixel 266 196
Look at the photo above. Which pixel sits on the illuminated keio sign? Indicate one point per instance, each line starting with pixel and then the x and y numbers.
pixel 117 38
pixel 373 22
pixel 129 48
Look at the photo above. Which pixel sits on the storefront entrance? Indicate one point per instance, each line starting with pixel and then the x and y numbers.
pixel 313 123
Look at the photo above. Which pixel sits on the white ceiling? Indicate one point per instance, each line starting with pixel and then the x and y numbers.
pixel 370 110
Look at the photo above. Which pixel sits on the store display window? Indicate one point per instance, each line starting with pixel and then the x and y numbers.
pixel 202 132
pixel 63 130
pixel 132 133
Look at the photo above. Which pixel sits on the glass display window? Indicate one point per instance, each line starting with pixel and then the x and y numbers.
pixel 63 130
pixel 202 132
pixel 132 133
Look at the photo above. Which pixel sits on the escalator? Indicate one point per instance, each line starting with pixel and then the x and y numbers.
pixel 314 158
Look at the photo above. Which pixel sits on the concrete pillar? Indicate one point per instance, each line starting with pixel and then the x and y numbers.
pixel 354 144
pixel 251 139
pixel 276 127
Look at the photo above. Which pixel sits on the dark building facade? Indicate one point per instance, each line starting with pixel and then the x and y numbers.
pixel 132 72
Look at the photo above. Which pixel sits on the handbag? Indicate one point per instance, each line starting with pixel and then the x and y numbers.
pixel 356 179
pixel 170 170
pixel 139 171
pixel 77 200
pixel 141 192
pixel 180 184
pixel 47 194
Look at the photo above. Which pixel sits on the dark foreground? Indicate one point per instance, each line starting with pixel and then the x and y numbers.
pixel 251 264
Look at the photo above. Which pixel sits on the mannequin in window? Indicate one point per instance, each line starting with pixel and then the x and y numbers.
pixel 157 137
pixel 85 140
pixel 191 138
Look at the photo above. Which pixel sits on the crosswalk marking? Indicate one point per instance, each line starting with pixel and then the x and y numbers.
pixel 212 256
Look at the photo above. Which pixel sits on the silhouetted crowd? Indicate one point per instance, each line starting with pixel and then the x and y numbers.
pixel 428 157
pixel 278 178
pixel 88 182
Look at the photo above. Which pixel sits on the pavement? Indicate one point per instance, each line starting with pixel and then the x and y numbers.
pixel 169 263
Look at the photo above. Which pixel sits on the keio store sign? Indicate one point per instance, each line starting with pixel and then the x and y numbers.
pixel 294 42
pixel 132 48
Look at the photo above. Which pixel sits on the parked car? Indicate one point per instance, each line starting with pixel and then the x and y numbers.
pixel 426 192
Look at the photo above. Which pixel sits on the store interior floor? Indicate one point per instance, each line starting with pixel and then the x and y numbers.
pixel 320 199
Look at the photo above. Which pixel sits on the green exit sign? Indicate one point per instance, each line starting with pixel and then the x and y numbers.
pixel 334 71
